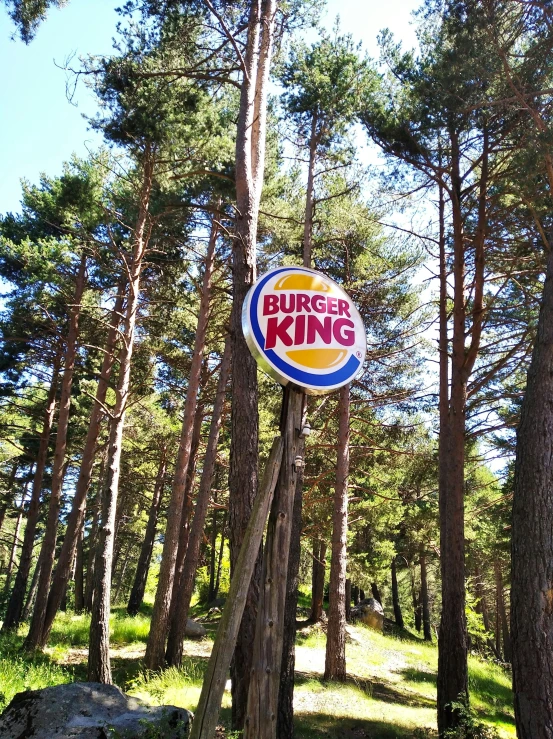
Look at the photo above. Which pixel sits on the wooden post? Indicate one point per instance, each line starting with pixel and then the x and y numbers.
pixel 207 713
pixel 261 716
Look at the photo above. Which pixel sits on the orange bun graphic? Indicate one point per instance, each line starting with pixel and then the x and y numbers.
pixel 302 282
pixel 303 328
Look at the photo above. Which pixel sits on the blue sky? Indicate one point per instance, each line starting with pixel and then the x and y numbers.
pixel 41 129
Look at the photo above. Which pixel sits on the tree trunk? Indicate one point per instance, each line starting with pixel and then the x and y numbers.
pixel 207 712
pixel 482 604
pixel 376 592
pixel 348 599
pixel 250 162
pixel 335 658
pixel 141 576
pixel 395 597
pixel 93 539
pixel 7 498
pixel 184 595
pixel 15 543
pixel 48 549
pixel 426 625
pixel 78 506
pixel 212 553
pixel 262 707
pixel 221 553
pixel 99 667
pixel 285 716
pixel 187 507
pixel 79 572
pixel 355 595
pixel 318 580
pixel 29 603
pixel 155 649
pixel 17 597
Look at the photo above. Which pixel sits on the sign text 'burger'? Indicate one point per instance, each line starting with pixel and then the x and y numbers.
pixel 303 328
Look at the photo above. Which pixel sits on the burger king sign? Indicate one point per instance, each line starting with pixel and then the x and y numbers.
pixel 302 328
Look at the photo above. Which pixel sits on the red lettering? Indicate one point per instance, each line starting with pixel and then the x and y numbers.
pixel 276 330
pixel 342 336
pixel 302 303
pixel 318 303
pixel 332 306
pixel 291 303
pixel 270 304
pixel 299 333
pixel 314 327
pixel 343 308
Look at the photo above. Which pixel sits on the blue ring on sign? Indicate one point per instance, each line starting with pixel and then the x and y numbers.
pixel 335 378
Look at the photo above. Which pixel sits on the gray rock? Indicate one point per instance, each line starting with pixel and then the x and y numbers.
pixel 369 612
pixel 194 630
pixel 89 711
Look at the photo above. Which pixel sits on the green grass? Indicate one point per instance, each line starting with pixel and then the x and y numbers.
pixel 390 690
pixel 19 673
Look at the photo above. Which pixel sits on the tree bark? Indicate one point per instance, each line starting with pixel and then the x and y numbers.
pixel 29 603
pixel 93 538
pixel 348 599
pixel 187 507
pixel 207 712
pixel 178 625
pixel 376 592
pixel 17 597
pixel 453 641
pixel 48 549
pixel 318 580
pixel 285 716
pixel 262 707
pixel 141 576
pixel 78 507
pixel 99 667
pixel 79 572
pixel 335 658
pixel 395 597
pixel 159 628
pixel 250 162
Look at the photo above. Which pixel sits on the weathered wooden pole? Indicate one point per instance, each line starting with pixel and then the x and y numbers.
pixel 207 713
pixel 261 715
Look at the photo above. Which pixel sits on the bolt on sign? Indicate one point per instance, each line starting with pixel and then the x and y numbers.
pixel 303 328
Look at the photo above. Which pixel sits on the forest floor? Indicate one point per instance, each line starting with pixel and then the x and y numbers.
pixel 390 691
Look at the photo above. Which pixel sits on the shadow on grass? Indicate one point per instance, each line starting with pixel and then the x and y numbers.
pixel 316 725
pixel 377 689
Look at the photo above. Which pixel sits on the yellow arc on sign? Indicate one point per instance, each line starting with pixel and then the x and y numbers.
pixel 317 358
pixel 301 281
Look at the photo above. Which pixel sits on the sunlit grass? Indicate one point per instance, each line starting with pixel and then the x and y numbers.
pixel 20 672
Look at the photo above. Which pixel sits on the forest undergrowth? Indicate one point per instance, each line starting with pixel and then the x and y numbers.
pixel 390 690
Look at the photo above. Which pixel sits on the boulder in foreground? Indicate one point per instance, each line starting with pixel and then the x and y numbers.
pixel 89 711
pixel 369 612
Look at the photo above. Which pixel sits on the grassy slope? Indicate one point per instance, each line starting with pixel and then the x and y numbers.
pixel 390 690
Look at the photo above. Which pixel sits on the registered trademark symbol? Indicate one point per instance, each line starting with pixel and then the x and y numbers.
pixel 358 355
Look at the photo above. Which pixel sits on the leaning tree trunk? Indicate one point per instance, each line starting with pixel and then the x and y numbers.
pixel 395 597
pixel 17 597
pixel 141 575
pixel 48 549
pixel 31 595
pixel 285 715
pixel 335 658
pixel 532 522
pixel 262 708
pixel 250 163
pixel 79 573
pixel 99 667
pixel 15 541
pixel 178 625
pixel 78 506
pixel 159 628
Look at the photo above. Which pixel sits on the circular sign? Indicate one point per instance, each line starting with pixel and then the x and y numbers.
pixel 301 327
